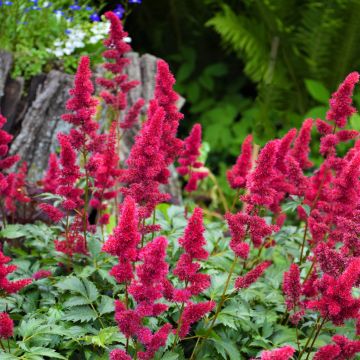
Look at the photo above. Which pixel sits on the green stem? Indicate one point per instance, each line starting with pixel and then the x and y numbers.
pixel 316 336
pixel 218 309
pixel 2 345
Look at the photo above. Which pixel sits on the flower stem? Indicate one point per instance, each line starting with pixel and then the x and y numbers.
pixel 218 309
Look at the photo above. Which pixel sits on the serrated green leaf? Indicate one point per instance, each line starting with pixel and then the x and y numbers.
pixel 75 301
pixel 51 353
pixel 13 232
pixel 106 305
pixel 80 313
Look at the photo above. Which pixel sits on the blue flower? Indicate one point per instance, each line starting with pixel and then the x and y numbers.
pixel 135 1
pixel 88 8
pixel 94 17
pixel 75 7
pixel 58 12
pixel 119 11
pixel 7 3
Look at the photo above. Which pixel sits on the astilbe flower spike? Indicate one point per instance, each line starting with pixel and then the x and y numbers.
pixel 119 354
pixel 243 282
pixel 192 314
pixel 124 241
pixel 146 289
pixel 42 274
pixel 187 268
pixel 340 102
pixel 106 175
pixel 343 349
pixel 301 147
pixel 146 164
pixel 238 174
pixel 259 181
pixel 335 301
pixel 7 286
pixel 284 353
pixel 292 287
pixel 190 165
pixel 117 87
pixel 167 98
pixel 50 180
pixel 16 188
pixel 82 107
pixel 6 326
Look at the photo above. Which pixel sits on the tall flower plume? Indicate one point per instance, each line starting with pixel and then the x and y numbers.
pixel 238 174
pixel 190 165
pixel 7 286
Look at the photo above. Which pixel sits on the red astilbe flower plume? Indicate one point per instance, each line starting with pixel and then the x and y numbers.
pixel 83 107
pixel 6 326
pixel 284 353
pixel 243 282
pixel 7 286
pixel 189 159
pixel 17 188
pixel 151 274
pixel 146 164
pixel 118 86
pixel 105 175
pixel 259 181
pixel 132 116
pixel 187 268
pixel 146 289
pixel 192 314
pixel 124 241
pixel 335 301
pixel 119 354
pixel 343 349
pixel 52 212
pixel 167 98
pixel 42 274
pixel 238 174
pixel 292 287
pixel 301 148
pixel 340 102
pixel 6 162
pixel 238 225
pixel 50 180
pixel 69 174
pixel 153 342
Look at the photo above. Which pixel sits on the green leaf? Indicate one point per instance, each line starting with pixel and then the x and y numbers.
pixel 75 301
pixel 228 347
pixel 169 355
pixel 80 313
pixel 106 305
pixel 318 91
pixel 81 286
pixel 51 353
pixel 12 232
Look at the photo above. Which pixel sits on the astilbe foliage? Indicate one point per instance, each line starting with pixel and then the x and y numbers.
pixel 190 165
pixel 7 286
